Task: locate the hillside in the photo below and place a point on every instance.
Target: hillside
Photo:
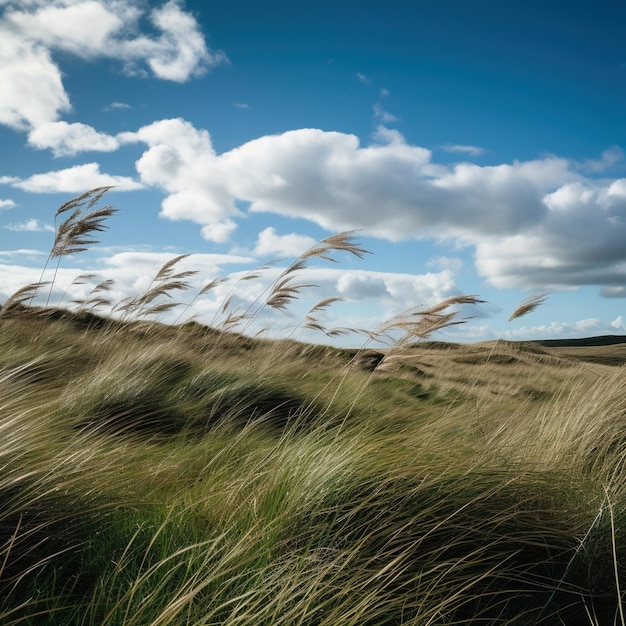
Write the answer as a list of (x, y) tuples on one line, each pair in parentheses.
[(184, 475)]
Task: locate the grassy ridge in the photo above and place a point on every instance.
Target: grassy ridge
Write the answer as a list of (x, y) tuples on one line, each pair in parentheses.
[(188, 475), (158, 475)]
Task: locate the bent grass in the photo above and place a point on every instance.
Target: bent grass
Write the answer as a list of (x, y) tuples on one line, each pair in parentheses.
[(189, 475)]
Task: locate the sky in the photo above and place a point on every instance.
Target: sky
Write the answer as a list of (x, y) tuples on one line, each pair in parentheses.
[(476, 147)]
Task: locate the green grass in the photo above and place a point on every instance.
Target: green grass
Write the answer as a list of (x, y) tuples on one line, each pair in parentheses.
[(185, 475)]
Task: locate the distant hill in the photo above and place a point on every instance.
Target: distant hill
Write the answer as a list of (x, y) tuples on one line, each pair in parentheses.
[(603, 340)]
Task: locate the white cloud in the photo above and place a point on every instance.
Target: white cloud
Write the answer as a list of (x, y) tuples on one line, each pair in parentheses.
[(385, 135), (149, 262), (114, 106), (31, 225), (563, 330), (180, 160), (271, 244), (241, 105), (6, 204), (32, 89), (68, 139), (384, 116), (536, 224), (364, 79), (75, 179), (610, 157), (471, 150), (380, 114), (618, 323), (22, 252), (219, 232), (359, 285)]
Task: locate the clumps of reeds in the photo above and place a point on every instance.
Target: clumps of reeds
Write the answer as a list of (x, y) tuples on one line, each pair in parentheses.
[(163, 284), (74, 234), (285, 288), (77, 232), (416, 324), (22, 297)]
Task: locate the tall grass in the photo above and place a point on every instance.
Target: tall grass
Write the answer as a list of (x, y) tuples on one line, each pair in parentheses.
[(192, 475)]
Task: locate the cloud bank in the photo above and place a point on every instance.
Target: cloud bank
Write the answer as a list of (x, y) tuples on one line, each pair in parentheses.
[(539, 224), (33, 96)]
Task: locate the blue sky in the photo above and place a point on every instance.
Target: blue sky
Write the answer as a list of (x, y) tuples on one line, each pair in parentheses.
[(477, 146)]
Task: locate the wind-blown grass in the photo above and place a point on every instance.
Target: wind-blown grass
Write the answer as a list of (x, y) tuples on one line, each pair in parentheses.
[(186, 475)]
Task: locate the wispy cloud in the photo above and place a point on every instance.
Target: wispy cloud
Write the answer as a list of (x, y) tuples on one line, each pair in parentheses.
[(380, 114), (22, 252), (31, 225), (608, 160), (241, 105), (6, 204), (446, 263), (364, 79), (114, 106), (460, 148)]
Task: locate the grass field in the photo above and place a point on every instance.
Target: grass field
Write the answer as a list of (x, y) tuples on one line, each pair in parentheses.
[(154, 474)]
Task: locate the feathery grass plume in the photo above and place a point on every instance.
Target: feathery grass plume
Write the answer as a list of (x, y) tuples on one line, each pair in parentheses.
[(342, 241), (96, 297), (81, 279), (528, 305), (23, 294), (284, 292), (421, 323), (284, 289), (164, 282), (312, 322), (75, 233), (212, 284)]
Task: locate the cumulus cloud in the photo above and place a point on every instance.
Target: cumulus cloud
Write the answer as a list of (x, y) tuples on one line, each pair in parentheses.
[(361, 285), (269, 243), (538, 224), (32, 89), (68, 139), (180, 160), (75, 179), (6, 204)]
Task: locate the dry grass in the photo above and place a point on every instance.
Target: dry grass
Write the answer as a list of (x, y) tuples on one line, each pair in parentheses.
[(193, 475)]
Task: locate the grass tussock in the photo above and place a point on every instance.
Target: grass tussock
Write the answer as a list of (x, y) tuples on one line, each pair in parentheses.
[(190, 475)]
